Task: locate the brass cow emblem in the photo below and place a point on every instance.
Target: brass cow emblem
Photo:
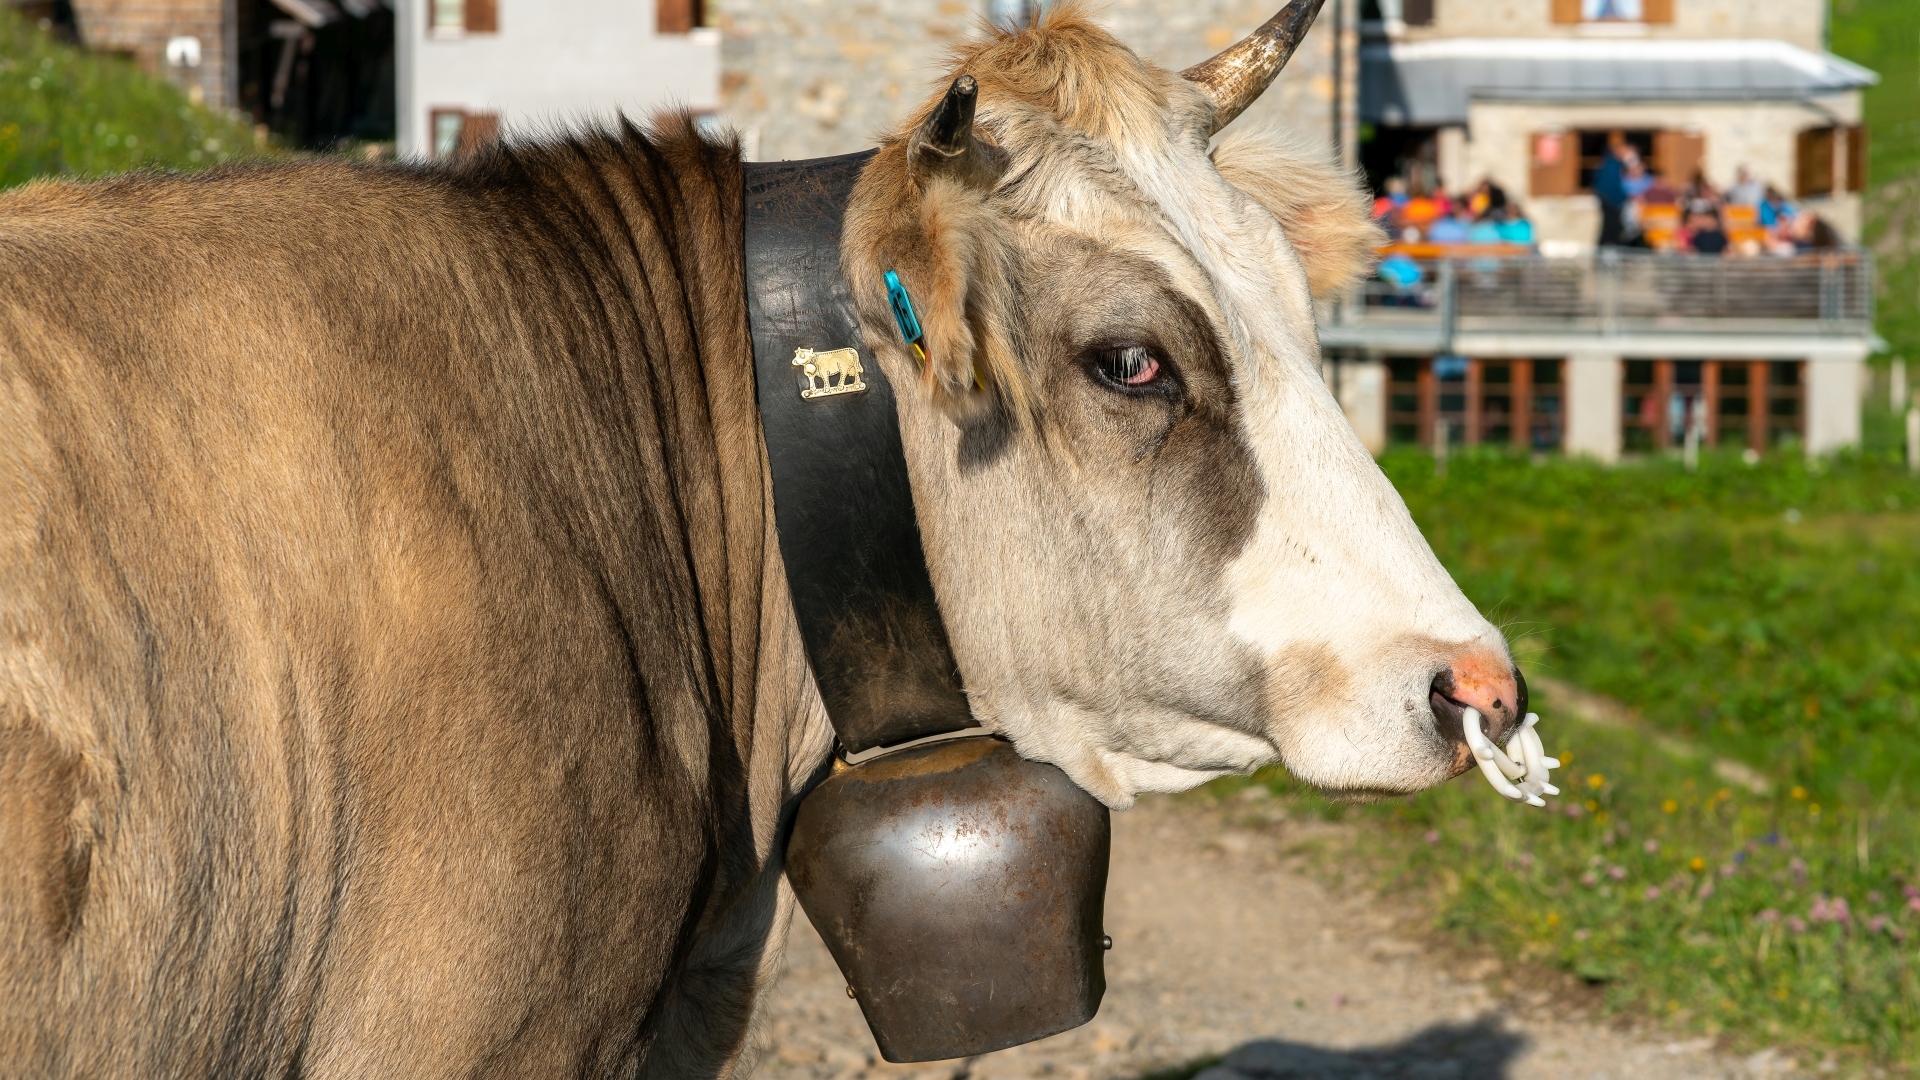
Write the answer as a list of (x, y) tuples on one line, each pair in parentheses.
[(822, 367)]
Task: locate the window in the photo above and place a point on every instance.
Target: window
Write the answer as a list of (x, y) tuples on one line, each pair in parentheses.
[(1493, 401), (457, 132), (1813, 162), (1612, 11), (1856, 158), (1406, 12), (454, 17), (1753, 404), (678, 16)]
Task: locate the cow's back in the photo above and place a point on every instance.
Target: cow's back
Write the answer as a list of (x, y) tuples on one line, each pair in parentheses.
[(355, 697)]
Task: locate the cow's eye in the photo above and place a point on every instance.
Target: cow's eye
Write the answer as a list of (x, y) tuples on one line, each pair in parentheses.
[(1128, 365)]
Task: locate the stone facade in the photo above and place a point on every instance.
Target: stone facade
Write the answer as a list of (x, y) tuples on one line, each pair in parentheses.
[(1797, 22), (808, 78), (142, 29)]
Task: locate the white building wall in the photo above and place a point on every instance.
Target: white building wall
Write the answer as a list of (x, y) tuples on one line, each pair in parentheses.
[(1593, 405), (1832, 403), (552, 63)]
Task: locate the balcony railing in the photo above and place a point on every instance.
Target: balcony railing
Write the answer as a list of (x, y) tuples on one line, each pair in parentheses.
[(1611, 293)]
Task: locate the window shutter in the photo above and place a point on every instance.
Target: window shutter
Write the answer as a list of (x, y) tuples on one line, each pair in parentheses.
[(1813, 162), (1566, 11), (1416, 12), (1556, 163), (1656, 11), (1857, 158), (677, 16), (483, 16), (481, 129), (1677, 155)]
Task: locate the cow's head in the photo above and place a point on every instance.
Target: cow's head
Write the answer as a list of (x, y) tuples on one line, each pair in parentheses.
[(1161, 551)]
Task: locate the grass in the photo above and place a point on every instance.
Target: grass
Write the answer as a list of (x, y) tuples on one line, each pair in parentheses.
[(68, 112), (1767, 614)]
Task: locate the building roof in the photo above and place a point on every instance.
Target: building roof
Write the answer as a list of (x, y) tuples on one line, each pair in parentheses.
[(1431, 82)]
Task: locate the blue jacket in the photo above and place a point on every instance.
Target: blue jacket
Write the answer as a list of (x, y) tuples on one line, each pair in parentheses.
[(1610, 183)]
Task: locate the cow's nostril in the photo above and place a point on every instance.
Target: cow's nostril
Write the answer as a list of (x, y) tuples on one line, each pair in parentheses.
[(1448, 714)]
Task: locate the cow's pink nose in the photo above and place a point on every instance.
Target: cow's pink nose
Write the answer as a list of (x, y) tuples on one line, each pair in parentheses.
[(1487, 683)]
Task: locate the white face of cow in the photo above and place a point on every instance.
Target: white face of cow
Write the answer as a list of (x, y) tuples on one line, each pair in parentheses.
[(1162, 553)]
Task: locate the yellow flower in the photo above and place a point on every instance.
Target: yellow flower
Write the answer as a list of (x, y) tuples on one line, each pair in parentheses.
[(1798, 792), (1669, 806), (1596, 780), (1566, 758), (1814, 809), (1601, 817), (1723, 794), (1593, 805), (1698, 864)]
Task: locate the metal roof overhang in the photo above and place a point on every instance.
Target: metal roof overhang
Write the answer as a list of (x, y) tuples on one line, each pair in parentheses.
[(1431, 83)]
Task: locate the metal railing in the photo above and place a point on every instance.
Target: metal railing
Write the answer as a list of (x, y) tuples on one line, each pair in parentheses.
[(1609, 293)]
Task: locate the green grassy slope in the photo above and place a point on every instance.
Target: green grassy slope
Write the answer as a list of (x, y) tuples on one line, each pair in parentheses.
[(1769, 615), (65, 111), (1885, 36)]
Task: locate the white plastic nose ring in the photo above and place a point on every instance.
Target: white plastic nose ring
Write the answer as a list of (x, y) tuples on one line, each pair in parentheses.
[(1500, 768)]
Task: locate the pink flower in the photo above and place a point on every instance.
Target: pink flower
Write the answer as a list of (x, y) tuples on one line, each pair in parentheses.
[(1897, 934), (1770, 915), (1589, 879), (1799, 869), (1729, 870), (1913, 904), (1526, 862), (1651, 847), (1617, 873), (1911, 892), (1796, 924), (1652, 893), (1705, 890), (1433, 836), (1876, 924), (1573, 810)]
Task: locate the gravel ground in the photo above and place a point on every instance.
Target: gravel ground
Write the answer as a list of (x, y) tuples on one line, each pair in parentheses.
[(1224, 947)]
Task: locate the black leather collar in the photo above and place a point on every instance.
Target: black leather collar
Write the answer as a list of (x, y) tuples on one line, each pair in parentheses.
[(842, 502)]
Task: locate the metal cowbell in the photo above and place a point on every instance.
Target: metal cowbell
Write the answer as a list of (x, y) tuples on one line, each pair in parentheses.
[(960, 888)]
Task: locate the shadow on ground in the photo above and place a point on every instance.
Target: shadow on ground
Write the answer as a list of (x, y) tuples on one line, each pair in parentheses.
[(1476, 1051)]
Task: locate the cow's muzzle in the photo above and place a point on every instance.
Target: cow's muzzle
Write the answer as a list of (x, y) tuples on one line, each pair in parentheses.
[(1500, 699)]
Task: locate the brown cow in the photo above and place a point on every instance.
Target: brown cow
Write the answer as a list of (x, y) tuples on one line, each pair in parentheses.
[(397, 672)]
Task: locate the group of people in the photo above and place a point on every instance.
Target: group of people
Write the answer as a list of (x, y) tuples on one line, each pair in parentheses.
[(1484, 216), (1641, 208)]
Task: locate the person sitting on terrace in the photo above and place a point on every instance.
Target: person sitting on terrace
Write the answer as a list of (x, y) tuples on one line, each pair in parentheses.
[(1703, 234), (1514, 228), (1449, 229), (1387, 207), (1746, 191), (1488, 198), (1700, 196)]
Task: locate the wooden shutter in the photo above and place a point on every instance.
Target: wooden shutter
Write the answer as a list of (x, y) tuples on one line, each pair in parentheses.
[(1656, 11), (1416, 12), (677, 16), (481, 129), (1813, 162), (1677, 155), (483, 16), (1566, 11), (1556, 162), (1857, 158)]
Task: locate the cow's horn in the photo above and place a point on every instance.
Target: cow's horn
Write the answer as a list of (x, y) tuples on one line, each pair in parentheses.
[(1238, 75), (945, 143)]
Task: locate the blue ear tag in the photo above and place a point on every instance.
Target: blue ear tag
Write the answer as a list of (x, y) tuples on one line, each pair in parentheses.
[(903, 314)]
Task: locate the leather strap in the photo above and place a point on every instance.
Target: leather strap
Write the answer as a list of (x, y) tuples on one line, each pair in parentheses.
[(842, 503)]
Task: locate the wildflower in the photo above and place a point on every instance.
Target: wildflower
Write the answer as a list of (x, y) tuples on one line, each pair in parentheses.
[(1799, 869), (1697, 864), (1705, 890), (1617, 873), (1876, 899), (1876, 924), (1581, 934), (1573, 810), (1898, 935), (1566, 758), (1589, 879), (1740, 856), (1606, 838), (1651, 847), (1913, 904), (1911, 892), (1553, 918), (1728, 870), (1772, 839), (1669, 806), (1596, 780), (1771, 915), (1825, 910), (1813, 810), (1433, 836), (1796, 924), (1526, 862), (1723, 795), (1798, 792), (1652, 893)]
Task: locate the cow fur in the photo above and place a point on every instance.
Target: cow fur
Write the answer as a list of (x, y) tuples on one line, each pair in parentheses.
[(396, 671)]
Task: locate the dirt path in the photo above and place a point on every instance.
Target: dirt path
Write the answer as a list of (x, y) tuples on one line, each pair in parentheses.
[(1222, 948)]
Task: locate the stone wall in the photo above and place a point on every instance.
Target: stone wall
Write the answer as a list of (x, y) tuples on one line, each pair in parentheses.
[(808, 78), (142, 28), (1798, 22)]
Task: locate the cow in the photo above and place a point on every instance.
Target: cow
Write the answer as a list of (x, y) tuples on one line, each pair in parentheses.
[(397, 670)]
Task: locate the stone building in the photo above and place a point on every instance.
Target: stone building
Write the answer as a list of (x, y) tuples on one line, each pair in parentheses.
[(809, 78), (202, 35)]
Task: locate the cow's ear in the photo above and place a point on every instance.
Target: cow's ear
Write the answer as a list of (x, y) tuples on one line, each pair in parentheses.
[(921, 211), (1321, 205)]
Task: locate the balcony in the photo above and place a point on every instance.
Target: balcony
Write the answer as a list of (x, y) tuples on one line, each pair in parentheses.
[(1617, 300)]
